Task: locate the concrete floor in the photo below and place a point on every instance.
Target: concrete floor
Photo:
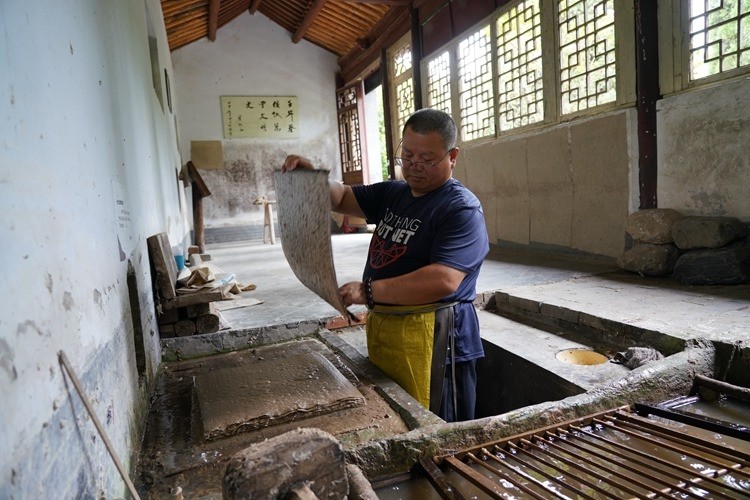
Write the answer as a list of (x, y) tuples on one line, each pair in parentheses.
[(593, 286)]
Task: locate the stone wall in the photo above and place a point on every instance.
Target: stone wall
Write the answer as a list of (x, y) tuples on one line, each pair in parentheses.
[(695, 250)]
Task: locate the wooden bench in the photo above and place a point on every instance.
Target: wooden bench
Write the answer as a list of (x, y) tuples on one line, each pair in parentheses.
[(178, 314)]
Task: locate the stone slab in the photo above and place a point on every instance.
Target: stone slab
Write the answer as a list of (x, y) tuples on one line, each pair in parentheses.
[(266, 393)]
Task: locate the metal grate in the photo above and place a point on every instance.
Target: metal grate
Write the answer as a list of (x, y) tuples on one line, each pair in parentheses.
[(613, 454)]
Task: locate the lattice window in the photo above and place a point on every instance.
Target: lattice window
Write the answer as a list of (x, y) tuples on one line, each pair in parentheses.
[(402, 61), (404, 102), (719, 36), (587, 53), (404, 86), (475, 93), (519, 66), (439, 83), (349, 137)]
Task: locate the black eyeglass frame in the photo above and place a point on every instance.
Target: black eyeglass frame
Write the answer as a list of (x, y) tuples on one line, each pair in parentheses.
[(401, 162)]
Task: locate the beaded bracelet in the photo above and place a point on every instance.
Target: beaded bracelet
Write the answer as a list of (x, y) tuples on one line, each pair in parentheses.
[(368, 294)]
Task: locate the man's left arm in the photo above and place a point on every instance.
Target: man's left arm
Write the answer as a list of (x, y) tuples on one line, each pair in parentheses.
[(425, 285), (462, 244)]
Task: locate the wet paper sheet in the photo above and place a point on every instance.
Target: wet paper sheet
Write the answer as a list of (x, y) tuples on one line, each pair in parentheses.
[(272, 392), (304, 213)]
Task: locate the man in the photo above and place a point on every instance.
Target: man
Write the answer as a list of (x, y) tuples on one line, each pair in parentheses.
[(419, 282)]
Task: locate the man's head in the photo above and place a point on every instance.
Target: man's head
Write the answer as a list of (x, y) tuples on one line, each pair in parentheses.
[(434, 120), (428, 150)]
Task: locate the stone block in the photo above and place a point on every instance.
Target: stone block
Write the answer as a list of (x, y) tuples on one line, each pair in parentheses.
[(561, 313), (652, 225), (525, 304), (649, 259), (279, 466), (694, 232), (728, 265)]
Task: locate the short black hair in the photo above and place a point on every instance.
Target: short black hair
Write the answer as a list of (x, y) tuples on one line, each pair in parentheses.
[(429, 120)]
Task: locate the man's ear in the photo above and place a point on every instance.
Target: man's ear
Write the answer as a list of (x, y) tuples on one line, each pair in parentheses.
[(453, 156)]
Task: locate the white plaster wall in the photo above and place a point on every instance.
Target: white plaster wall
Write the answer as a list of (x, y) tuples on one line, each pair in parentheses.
[(566, 187), (704, 151), (88, 165), (254, 56)]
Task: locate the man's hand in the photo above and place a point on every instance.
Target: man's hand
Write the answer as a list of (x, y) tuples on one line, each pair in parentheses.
[(294, 161), (352, 293)]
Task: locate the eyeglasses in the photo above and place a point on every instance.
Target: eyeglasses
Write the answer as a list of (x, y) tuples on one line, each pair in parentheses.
[(405, 162)]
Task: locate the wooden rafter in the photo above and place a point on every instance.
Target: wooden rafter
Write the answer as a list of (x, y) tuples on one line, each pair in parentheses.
[(381, 2), (213, 19), (342, 27), (254, 6), (315, 9)]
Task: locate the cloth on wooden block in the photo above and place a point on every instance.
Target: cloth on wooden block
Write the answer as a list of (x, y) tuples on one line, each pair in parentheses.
[(634, 357)]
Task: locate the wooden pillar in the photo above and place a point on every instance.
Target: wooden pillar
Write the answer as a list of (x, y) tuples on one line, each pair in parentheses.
[(647, 93), (198, 228), (200, 191), (384, 83), (416, 53)]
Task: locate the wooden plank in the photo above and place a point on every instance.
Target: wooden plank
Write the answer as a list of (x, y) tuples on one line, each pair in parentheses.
[(198, 179), (166, 268), (197, 310), (201, 297)]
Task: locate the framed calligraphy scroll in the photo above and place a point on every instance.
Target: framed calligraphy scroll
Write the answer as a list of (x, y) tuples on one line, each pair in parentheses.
[(274, 117)]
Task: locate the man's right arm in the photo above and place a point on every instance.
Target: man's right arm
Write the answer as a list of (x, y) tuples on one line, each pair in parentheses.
[(342, 197)]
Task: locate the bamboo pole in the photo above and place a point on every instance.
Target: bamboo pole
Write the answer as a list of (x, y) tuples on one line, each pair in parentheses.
[(120, 468)]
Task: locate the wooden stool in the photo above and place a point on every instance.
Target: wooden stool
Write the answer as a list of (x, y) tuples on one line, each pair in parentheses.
[(269, 233)]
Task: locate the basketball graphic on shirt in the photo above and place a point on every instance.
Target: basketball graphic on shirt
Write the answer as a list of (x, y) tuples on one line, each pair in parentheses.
[(380, 256)]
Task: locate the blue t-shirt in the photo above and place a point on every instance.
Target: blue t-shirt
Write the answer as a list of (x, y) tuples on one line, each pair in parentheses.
[(445, 226)]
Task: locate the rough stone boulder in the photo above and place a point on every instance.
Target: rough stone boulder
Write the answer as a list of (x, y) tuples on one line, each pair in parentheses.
[(649, 259), (694, 232), (728, 265), (653, 225)]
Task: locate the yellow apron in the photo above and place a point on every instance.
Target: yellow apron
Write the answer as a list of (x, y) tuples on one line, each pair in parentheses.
[(404, 342)]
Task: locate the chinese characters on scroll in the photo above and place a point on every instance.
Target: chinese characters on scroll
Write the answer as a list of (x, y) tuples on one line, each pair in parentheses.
[(260, 116)]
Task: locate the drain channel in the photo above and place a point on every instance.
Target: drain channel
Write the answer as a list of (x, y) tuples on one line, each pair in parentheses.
[(613, 454)]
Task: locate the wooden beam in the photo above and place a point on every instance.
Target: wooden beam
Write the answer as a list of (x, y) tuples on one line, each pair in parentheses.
[(179, 8), (254, 5), (381, 2), (392, 27), (315, 9), (213, 18)]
